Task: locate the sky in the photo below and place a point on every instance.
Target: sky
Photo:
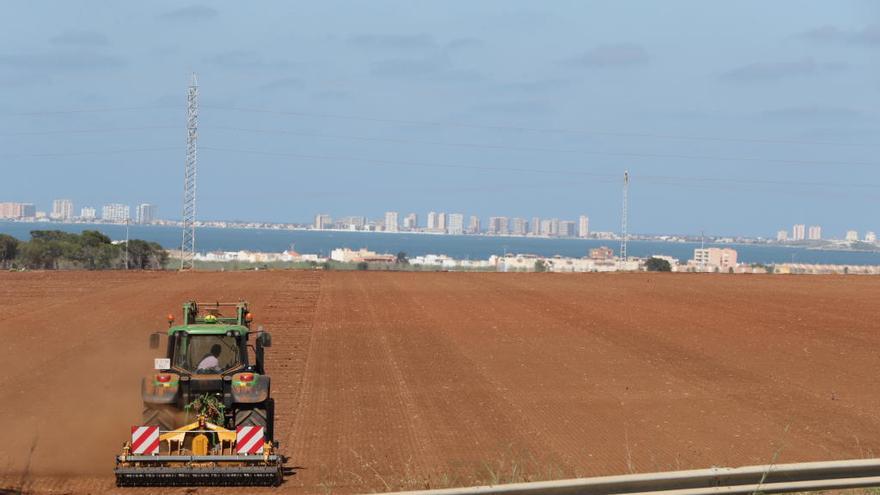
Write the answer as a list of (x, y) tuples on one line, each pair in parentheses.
[(732, 118)]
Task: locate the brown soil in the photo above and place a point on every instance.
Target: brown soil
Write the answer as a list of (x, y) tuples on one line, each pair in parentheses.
[(408, 380)]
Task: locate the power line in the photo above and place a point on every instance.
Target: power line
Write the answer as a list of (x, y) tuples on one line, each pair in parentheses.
[(551, 150), (654, 179), (535, 129), (90, 152), (407, 162), (90, 131), (40, 113)]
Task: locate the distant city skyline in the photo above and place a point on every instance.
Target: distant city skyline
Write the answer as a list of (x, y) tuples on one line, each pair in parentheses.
[(735, 118), (448, 222)]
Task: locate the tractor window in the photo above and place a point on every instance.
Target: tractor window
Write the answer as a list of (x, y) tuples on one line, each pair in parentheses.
[(206, 354)]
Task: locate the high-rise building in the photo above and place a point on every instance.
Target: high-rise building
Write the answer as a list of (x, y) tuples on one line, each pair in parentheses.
[(852, 235), (441, 221), (456, 224), (554, 226), (535, 226), (432, 220), (411, 222), (350, 223), (798, 232), (323, 221), (814, 233), (28, 210), (870, 236), (116, 212), (146, 213), (518, 226), (62, 209), (498, 226), (566, 228), (17, 210), (474, 225), (546, 226), (88, 213), (781, 235), (391, 221), (584, 226)]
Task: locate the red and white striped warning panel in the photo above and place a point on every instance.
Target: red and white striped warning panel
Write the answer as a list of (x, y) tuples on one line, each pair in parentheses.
[(249, 439), (145, 440)]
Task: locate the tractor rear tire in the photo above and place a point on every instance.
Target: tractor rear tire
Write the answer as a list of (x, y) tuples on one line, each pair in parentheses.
[(257, 415), (159, 415)]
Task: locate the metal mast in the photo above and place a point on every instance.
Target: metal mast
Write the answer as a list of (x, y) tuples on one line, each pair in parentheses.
[(188, 246), (623, 215)]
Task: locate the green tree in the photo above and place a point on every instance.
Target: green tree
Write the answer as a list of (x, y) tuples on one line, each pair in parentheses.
[(8, 249), (657, 265), (143, 255), (540, 266), (363, 266), (401, 259)]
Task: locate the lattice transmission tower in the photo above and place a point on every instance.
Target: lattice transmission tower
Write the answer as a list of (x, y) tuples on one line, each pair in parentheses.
[(188, 246), (623, 216)]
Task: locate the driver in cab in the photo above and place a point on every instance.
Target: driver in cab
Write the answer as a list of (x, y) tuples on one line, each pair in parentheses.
[(211, 361)]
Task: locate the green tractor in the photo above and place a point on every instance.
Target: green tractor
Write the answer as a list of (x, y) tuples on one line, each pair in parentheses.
[(208, 370)]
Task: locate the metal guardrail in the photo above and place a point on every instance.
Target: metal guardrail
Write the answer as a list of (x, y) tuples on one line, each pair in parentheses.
[(773, 478)]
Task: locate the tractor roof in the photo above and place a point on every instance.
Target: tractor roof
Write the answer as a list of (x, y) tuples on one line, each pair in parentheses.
[(208, 329)]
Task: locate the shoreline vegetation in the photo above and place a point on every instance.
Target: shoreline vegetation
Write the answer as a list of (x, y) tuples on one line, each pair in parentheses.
[(89, 250)]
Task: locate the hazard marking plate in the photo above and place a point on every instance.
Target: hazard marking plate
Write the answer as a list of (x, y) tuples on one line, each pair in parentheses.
[(162, 364), (249, 440), (145, 440)]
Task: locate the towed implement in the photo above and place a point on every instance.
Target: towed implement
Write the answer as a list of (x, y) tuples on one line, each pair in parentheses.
[(208, 416)]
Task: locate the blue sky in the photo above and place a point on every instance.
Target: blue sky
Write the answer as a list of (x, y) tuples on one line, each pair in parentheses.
[(733, 118)]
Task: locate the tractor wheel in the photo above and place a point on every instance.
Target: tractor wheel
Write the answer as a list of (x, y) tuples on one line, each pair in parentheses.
[(159, 415), (257, 415)]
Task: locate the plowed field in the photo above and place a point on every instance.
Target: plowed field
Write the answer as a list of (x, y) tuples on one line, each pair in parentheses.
[(407, 380)]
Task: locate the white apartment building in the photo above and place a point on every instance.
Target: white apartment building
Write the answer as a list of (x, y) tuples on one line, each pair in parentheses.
[(62, 209), (88, 213), (535, 226), (146, 213), (870, 236), (584, 226), (710, 259), (546, 226), (323, 221), (782, 235), (518, 226), (852, 235), (814, 233), (474, 225), (456, 224), (441, 221), (116, 212), (798, 232), (566, 228), (498, 226), (391, 221), (432, 220), (411, 222)]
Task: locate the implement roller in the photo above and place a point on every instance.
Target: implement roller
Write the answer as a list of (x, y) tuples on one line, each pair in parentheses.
[(198, 454)]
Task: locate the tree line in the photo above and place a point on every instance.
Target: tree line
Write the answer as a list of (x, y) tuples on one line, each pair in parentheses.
[(90, 250)]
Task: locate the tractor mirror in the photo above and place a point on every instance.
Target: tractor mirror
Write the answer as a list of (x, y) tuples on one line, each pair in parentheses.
[(266, 339), (154, 341)]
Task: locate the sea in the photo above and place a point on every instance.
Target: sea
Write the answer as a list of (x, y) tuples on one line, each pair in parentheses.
[(460, 247)]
